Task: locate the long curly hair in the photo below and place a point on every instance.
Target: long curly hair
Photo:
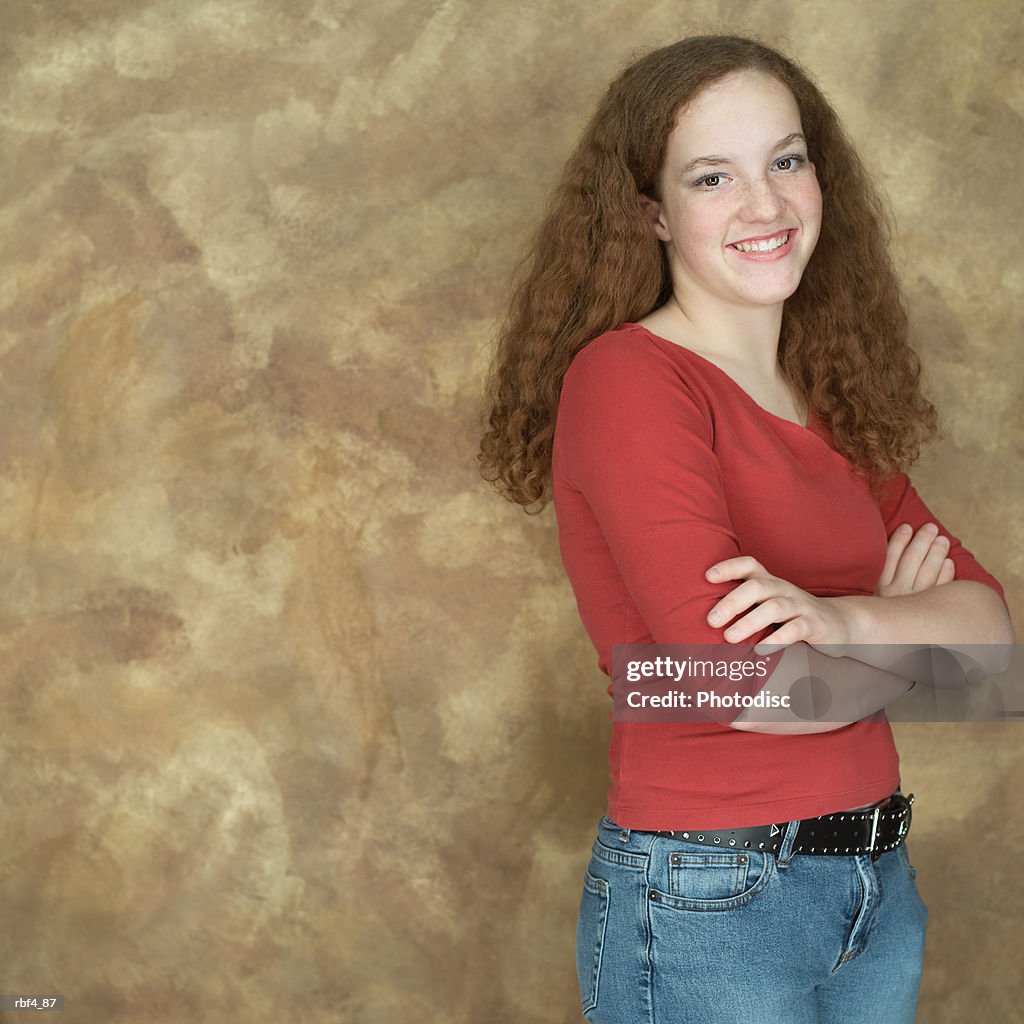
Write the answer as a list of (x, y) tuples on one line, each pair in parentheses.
[(595, 264)]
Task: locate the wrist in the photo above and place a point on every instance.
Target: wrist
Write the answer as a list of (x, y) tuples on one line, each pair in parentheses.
[(858, 614)]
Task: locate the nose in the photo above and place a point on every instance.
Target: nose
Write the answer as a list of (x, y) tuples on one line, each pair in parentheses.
[(762, 201)]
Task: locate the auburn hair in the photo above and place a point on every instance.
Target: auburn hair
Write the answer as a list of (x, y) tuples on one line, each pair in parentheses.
[(595, 264)]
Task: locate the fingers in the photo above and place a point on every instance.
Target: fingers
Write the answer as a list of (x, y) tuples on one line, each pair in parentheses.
[(913, 558), (897, 545), (932, 563), (757, 586), (948, 573), (736, 568), (754, 592), (761, 617), (914, 563)]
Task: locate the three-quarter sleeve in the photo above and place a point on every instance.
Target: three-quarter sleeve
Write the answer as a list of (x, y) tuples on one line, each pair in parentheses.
[(636, 442)]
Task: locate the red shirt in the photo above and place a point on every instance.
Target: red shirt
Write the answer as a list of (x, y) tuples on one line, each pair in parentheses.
[(663, 465)]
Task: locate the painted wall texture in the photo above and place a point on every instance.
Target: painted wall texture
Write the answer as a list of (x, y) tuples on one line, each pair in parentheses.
[(297, 717)]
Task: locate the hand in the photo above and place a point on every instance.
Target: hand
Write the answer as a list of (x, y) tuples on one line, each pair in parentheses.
[(915, 565), (815, 620)]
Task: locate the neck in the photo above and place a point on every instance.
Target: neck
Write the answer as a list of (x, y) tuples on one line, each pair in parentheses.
[(743, 335)]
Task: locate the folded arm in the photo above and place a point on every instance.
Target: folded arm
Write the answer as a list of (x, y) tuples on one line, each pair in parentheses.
[(915, 597), (964, 617), (970, 617)]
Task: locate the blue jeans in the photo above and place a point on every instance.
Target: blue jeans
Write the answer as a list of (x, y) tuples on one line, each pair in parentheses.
[(671, 932)]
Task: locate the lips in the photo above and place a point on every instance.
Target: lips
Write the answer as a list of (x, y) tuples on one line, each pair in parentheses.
[(765, 247)]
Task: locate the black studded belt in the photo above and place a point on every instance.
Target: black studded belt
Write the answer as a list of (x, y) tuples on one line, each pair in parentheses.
[(873, 831)]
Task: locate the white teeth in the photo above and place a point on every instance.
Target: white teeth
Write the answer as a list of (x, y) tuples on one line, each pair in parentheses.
[(765, 245)]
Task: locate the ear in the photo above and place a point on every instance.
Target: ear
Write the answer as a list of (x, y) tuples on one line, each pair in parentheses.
[(655, 217)]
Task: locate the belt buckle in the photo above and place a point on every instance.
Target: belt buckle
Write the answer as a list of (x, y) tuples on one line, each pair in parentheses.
[(905, 815), (901, 804)]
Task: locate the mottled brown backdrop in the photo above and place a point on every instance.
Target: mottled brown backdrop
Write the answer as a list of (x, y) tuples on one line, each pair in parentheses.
[(298, 719)]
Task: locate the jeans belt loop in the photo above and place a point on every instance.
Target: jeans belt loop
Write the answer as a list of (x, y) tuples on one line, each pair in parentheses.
[(874, 832)]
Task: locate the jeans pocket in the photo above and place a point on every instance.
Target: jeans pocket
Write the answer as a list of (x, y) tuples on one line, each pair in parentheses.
[(715, 879), (707, 876), (590, 932)]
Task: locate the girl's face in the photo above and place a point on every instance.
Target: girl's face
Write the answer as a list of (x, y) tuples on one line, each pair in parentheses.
[(741, 208)]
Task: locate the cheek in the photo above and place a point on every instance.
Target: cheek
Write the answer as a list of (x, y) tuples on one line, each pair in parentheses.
[(703, 224), (808, 199)]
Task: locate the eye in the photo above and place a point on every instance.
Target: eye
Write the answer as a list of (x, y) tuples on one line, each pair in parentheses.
[(794, 161), (710, 180)]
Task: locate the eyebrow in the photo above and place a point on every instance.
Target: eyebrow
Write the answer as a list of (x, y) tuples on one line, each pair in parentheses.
[(712, 161)]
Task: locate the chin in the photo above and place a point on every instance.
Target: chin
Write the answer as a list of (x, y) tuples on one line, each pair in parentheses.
[(773, 297)]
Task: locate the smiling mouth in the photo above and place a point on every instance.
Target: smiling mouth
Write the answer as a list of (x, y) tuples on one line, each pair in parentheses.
[(764, 244)]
